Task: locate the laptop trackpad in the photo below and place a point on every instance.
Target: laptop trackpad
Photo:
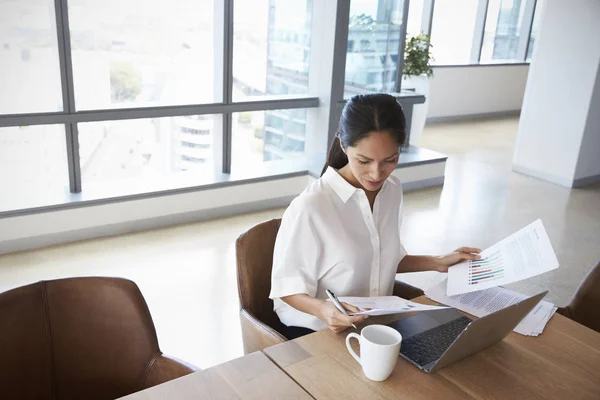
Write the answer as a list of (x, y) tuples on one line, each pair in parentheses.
[(424, 321)]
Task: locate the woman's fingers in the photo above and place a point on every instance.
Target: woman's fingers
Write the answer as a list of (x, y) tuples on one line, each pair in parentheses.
[(350, 307), (469, 256), (468, 250), (358, 318)]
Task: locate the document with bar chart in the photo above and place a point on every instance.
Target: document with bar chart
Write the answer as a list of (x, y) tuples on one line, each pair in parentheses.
[(522, 255)]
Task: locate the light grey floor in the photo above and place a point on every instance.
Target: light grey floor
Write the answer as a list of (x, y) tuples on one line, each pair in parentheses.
[(187, 272), (483, 201)]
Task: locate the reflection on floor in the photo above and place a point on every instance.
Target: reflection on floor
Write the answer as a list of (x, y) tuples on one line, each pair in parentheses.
[(187, 273)]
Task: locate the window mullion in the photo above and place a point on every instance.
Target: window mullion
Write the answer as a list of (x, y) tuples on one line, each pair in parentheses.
[(402, 45), (479, 31), (427, 17), (61, 10), (223, 37), (525, 31)]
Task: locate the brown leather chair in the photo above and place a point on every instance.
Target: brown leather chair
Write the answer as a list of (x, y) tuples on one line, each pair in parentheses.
[(585, 304), (261, 327), (80, 338)]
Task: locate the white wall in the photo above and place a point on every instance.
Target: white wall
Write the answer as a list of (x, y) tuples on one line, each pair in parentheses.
[(472, 90), (588, 165), (558, 96), (53, 227)]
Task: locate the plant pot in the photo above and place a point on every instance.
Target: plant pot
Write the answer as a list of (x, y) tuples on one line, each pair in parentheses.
[(420, 84)]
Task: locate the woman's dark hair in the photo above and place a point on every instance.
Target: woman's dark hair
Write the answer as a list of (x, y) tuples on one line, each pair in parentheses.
[(363, 114)]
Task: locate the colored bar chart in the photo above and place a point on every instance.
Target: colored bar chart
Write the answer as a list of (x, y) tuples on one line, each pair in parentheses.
[(522, 255), (488, 269)]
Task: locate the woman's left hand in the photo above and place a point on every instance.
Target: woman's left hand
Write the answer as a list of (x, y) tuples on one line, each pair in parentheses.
[(458, 255)]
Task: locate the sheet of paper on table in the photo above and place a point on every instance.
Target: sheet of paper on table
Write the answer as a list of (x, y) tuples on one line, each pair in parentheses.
[(487, 301), (522, 255), (384, 305)]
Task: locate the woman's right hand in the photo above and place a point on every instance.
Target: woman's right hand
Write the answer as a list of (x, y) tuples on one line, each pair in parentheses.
[(337, 321)]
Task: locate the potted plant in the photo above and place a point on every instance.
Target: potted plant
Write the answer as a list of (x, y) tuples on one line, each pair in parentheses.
[(416, 74)]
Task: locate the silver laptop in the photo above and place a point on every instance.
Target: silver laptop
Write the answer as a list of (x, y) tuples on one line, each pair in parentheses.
[(433, 339)]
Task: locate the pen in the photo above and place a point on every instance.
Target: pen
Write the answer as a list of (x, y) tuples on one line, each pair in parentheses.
[(337, 304)]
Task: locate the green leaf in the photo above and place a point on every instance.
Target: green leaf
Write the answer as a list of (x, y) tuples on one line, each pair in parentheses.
[(417, 57)]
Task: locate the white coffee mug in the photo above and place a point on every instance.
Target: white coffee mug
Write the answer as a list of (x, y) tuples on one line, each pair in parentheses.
[(379, 350)]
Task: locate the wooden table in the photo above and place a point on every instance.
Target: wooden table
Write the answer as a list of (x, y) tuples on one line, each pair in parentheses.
[(253, 376), (562, 363)]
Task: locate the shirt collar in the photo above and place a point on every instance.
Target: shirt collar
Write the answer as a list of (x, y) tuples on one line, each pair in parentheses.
[(340, 186)]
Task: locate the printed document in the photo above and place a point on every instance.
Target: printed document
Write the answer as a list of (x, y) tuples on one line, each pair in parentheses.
[(522, 255), (484, 302), (384, 305)]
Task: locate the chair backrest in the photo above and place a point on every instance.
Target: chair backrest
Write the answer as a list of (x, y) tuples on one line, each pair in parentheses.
[(254, 252), (585, 304), (77, 338)]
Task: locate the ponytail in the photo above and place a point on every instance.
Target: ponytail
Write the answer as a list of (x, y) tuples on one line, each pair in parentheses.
[(336, 158)]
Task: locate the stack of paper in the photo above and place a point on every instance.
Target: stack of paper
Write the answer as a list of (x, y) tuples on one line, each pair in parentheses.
[(535, 322), (384, 305), (484, 302)]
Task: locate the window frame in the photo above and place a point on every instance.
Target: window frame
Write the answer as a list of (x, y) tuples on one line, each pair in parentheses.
[(70, 116), (479, 31), (329, 46)]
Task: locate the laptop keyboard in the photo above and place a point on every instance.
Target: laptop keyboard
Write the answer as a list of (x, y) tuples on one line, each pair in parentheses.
[(430, 345)]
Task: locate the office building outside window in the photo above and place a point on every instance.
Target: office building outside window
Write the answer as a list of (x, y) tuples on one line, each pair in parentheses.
[(271, 56), (132, 151), (373, 46), (266, 136)]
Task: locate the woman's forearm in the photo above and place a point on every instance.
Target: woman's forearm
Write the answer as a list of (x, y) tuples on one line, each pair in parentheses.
[(305, 303), (420, 263)]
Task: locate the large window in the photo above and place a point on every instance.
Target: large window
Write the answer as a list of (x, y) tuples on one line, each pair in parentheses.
[(373, 50), (29, 66), (452, 31), (502, 30), (107, 98), (142, 53), (271, 48), (154, 94)]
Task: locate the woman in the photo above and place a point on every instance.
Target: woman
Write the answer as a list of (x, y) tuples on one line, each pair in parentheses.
[(343, 232)]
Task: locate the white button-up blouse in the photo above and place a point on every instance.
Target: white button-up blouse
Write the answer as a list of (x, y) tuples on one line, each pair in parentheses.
[(330, 239)]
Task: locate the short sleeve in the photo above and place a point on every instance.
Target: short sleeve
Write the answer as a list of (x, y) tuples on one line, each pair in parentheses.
[(295, 256)]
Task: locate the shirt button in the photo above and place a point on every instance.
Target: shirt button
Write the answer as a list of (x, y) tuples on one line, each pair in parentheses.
[(374, 291)]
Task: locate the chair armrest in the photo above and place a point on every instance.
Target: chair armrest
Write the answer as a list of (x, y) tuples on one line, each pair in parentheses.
[(584, 305), (163, 368), (256, 334), (406, 291)]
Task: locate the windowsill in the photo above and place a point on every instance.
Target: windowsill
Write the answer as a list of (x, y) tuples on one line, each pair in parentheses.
[(405, 95), (487, 64), (136, 189)]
